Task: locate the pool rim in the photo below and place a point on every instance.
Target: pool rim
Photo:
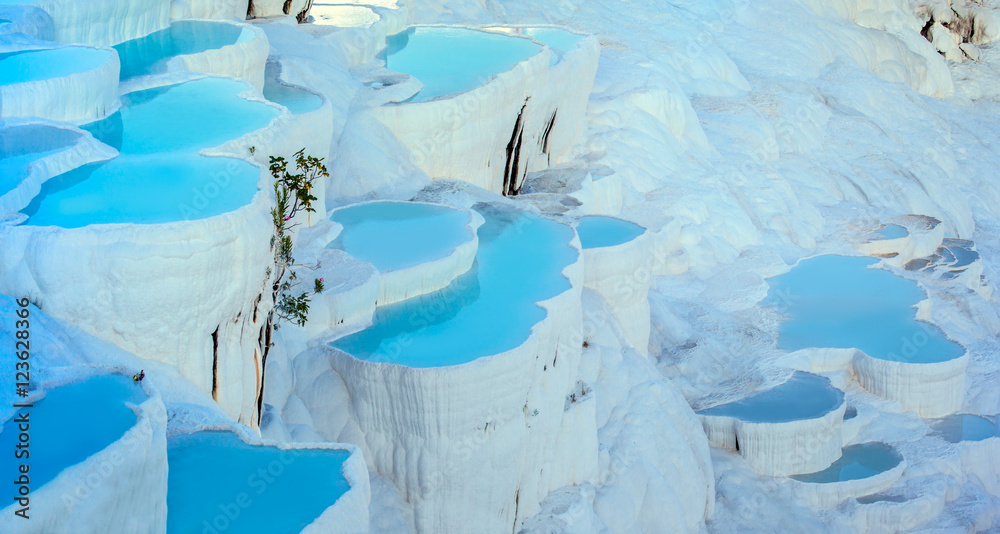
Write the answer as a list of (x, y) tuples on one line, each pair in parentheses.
[(354, 468), (469, 225), (879, 264), (172, 72), (495, 78), (36, 45), (262, 196), (572, 271), (645, 231)]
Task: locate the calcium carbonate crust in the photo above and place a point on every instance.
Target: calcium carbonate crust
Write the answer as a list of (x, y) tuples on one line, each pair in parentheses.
[(466, 136), (105, 22), (930, 389), (75, 98), (831, 494), (438, 432), (620, 275), (244, 59), (362, 45), (114, 281), (780, 449), (573, 75), (208, 9)]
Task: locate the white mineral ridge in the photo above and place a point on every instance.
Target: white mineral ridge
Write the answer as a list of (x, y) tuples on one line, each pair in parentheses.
[(622, 275), (574, 75), (930, 389), (83, 150), (122, 488), (655, 469), (780, 449), (244, 59), (357, 32), (397, 285), (350, 293), (831, 494), (76, 98), (209, 9), (439, 432), (901, 54), (116, 281), (105, 22), (922, 240), (465, 136)]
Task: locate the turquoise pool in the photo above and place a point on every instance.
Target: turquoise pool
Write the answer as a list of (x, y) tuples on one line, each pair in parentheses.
[(881, 497), (35, 65), (168, 191), (218, 481), (70, 424), (558, 40), (450, 60), (803, 396), (486, 311), (892, 231), (397, 235), (159, 176), (186, 117), (598, 231), (841, 302), (960, 253), (149, 54), (857, 462), (965, 427)]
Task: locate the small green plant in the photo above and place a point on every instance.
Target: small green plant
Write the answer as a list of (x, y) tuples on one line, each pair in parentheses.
[(292, 195)]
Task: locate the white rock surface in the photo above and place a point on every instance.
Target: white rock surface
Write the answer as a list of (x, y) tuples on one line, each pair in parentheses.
[(357, 32), (574, 74), (439, 432), (244, 60), (620, 274), (77, 98), (924, 236), (831, 494), (930, 389), (104, 22), (780, 449), (351, 289), (116, 282), (465, 136), (209, 9)]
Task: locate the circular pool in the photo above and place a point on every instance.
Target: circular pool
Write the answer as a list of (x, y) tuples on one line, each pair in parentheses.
[(449, 60)]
